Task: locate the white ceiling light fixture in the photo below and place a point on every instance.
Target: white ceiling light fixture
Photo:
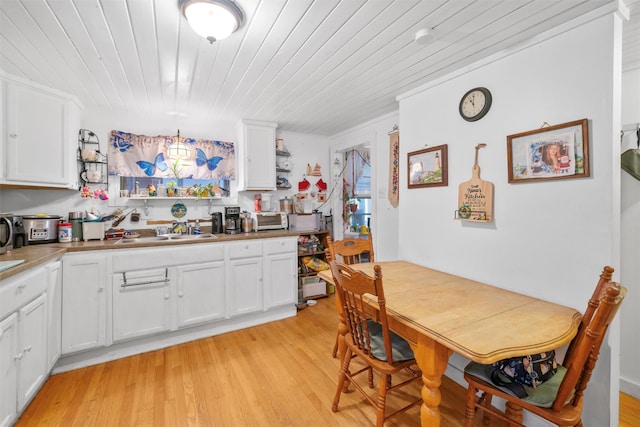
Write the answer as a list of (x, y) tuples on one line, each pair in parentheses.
[(212, 19), (424, 36)]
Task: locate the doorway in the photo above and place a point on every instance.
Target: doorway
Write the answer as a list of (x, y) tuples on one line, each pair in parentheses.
[(356, 190)]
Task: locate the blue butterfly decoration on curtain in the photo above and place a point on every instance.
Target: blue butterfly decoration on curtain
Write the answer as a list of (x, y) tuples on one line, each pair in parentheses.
[(201, 159), (121, 144), (150, 168)]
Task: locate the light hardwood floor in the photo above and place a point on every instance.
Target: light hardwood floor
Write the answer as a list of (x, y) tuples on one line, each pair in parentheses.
[(278, 374)]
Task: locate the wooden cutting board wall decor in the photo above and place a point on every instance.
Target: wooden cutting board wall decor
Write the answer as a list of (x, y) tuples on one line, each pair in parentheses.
[(475, 197)]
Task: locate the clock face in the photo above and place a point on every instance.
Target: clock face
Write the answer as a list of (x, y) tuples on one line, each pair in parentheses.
[(475, 104)]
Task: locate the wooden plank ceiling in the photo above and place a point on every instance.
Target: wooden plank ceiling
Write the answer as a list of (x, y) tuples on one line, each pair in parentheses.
[(317, 67)]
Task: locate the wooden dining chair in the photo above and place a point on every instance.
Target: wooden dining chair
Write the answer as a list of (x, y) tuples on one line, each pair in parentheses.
[(558, 400), (368, 337), (349, 251)]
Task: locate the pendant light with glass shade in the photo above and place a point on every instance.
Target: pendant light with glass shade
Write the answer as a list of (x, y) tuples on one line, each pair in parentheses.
[(212, 19)]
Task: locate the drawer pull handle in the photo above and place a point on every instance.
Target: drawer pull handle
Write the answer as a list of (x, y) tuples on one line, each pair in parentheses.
[(27, 349), (18, 356), (126, 284)]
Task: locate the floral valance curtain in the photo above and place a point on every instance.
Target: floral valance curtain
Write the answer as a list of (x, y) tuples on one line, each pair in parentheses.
[(170, 157)]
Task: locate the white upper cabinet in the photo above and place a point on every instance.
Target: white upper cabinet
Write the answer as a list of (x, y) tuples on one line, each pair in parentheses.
[(257, 155), (39, 136)]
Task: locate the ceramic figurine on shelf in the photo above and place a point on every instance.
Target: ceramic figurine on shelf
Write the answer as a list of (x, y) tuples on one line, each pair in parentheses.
[(86, 193), (152, 190), (309, 169), (101, 194)]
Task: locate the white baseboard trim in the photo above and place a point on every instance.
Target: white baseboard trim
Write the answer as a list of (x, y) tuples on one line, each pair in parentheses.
[(168, 339), (630, 387)]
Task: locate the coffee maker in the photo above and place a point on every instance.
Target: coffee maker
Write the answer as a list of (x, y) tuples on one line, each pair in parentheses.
[(217, 225), (232, 221)]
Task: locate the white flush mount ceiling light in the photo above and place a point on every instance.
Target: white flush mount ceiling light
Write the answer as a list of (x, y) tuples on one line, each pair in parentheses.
[(424, 36), (212, 19)]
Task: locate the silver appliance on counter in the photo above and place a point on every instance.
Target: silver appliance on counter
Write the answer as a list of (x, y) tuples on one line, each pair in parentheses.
[(41, 228), (6, 233), (232, 220)]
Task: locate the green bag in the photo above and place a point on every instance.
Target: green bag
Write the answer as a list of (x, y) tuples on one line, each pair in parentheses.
[(630, 161)]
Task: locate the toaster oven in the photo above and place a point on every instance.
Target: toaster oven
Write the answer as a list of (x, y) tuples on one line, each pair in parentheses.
[(269, 221)]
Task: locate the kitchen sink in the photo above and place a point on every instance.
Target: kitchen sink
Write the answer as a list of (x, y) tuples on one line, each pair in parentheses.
[(165, 238)]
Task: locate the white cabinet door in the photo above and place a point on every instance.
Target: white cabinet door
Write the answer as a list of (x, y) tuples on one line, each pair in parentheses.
[(40, 144), (142, 305), (83, 302), (281, 280), (244, 292), (257, 156), (54, 313), (9, 355), (32, 322), (201, 293)]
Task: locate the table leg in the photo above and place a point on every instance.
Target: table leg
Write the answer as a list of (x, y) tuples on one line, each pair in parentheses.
[(432, 358)]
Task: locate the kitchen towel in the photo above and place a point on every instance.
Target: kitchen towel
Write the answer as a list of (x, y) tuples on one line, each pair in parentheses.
[(394, 167)]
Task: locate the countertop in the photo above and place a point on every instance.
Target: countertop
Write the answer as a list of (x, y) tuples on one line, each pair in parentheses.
[(34, 255)]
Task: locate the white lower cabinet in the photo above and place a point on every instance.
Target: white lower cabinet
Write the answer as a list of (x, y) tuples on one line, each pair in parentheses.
[(281, 272), (245, 284), (201, 293), (141, 303), (8, 369), (32, 356), (54, 313), (23, 340), (84, 302), (22, 357), (138, 298)]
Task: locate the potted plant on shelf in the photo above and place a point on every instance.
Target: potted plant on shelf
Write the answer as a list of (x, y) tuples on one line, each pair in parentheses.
[(171, 188)]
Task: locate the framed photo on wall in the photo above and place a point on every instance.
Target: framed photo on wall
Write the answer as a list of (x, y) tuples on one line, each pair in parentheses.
[(428, 167), (552, 152)]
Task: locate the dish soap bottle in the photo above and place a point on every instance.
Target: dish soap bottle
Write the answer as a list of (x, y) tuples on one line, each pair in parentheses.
[(196, 227)]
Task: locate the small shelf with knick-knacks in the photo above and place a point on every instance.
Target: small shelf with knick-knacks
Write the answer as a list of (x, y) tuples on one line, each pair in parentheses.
[(92, 164), (283, 166)]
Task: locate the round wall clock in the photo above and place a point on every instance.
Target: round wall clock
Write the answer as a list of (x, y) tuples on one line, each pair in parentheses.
[(475, 104)]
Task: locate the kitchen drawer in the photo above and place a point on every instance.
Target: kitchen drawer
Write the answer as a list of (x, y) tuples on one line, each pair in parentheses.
[(145, 258), (19, 290), (245, 249), (280, 246)]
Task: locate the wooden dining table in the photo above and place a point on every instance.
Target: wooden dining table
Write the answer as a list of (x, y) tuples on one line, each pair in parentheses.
[(440, 313)]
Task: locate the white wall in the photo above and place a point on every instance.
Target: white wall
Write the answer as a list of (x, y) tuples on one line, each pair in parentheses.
[(304, 148), (548, 239), (630, 271), (384, 218)]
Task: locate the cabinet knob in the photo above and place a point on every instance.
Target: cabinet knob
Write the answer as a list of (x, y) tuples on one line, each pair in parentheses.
[(21, 286), (27, 349), (100, 290), (180, 294), (18, 356), (13, 135), (166, 296)]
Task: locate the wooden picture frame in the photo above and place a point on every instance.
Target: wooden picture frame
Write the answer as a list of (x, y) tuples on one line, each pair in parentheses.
[(549, 153), (427, 167)]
